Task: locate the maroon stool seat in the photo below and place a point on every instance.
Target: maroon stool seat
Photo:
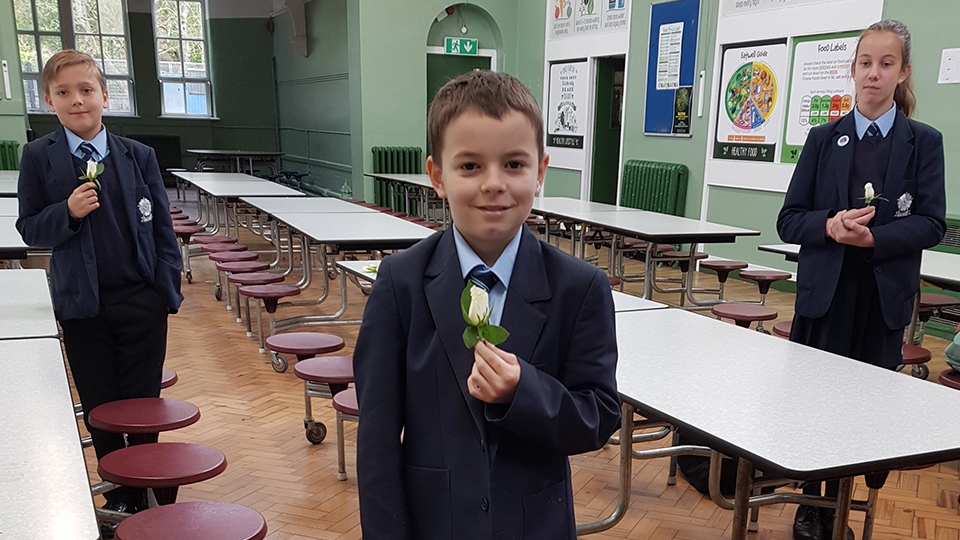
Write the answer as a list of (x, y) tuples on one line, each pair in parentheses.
[(270, 296), (143, 416), (950, 378), (184, 232), (168, 378), (917, 357), (163, 467), (243, 267), (744, 314), (764, 279), (179, 217), (783, 328), (323, 376), (187, 221), (221, 247), (234, 256), (175, 211), (615, 282), (195, 520), (723, 269), (214, 239), (250, 278), (345, 403), (302, 344), (396, 214), (930, 305)]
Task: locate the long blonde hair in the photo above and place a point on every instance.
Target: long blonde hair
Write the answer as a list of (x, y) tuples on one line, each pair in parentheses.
[(903, 96)]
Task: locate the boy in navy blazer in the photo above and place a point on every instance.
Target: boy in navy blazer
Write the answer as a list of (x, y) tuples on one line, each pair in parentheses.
[(115, 268), (473, 443)]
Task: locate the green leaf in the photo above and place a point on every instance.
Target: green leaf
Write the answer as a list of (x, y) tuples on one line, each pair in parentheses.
[(97, 182), (99, 169), (470, 336), (465, 303), (83, 179), (495, 335)]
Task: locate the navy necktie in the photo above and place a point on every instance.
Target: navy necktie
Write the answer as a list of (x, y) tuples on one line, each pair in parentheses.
[(483, 277), (87, 151), (873, 130)]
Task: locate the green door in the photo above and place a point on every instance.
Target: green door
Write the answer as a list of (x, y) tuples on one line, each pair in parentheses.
[(606, 130), (444, 67)]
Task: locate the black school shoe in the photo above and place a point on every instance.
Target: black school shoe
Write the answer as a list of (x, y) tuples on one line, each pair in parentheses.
[(807, 525), (107, 529), (826, 519)]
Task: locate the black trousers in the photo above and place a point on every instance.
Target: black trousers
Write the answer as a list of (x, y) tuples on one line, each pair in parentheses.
[(118, 355)]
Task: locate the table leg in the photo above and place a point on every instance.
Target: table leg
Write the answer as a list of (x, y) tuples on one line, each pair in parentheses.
[(649, 271), (741, 504), (912, 328), (626, 475), (844, 498)]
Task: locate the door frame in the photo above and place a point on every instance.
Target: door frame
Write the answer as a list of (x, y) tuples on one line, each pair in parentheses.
[(489, 53)]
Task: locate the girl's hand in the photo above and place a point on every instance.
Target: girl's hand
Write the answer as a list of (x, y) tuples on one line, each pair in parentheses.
[(859, 215)]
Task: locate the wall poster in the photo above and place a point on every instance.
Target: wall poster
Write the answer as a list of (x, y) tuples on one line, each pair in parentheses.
[(567, 109)]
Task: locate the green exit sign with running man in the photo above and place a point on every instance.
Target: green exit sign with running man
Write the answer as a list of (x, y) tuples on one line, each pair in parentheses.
[(463, 46)]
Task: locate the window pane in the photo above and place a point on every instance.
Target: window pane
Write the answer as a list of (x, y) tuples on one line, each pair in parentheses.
[(32, 95), (48, 15), (168, 21), (91, 46), (173, 99), (111, 17), (168, 51), (197, 98), (119, 97), (28, 54), (24, 14), (196, 64), (115, 56), (191, 20), (49, 46), (85, 17)]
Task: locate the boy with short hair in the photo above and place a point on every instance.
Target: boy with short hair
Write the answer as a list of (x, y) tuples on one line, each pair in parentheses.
[(467, 443), (115, 267)]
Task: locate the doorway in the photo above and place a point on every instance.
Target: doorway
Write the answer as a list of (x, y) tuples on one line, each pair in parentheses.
[(444, 67), (606, 130)]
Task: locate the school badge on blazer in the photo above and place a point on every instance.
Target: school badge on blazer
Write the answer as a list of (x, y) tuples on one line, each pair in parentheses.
[(903, 205), (146, 210)]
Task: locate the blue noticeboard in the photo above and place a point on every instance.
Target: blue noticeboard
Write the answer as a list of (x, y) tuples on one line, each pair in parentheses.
[(668, 111)]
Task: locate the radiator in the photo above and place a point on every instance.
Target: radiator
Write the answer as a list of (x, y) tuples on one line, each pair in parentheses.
[(397, 160), (9, 155), (654, 186)]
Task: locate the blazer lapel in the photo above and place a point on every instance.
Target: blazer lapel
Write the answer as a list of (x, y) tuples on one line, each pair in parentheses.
[(901, 149), (61, 163), (443, 286), (846, 127), (125, 175), (523, 314)]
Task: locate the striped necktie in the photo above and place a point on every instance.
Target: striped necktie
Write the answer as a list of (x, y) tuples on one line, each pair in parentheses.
[(87, 151), (483, 277), (873, 130)]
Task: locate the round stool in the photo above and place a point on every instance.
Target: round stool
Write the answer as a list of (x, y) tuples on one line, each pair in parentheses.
[(179, 217), (930, 305), (951, 379), (168, 378), (187, 221), (214, 239), (917, 357), (196, 520), (250, 278), (764, 279), (143, 418), (783, 329), (220, 247), (302, 344), (324, 376), (744, 314), (227, 256), (270, 295), (175, 211), (345, 403), (723, 269), (162, 467), (184, 232)]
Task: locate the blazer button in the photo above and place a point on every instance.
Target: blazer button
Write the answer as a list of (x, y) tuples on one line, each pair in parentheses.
[(484, 505)]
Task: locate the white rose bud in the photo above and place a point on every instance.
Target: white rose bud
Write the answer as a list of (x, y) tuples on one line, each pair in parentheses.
[(479, 306), (91, 169), (868, 193)]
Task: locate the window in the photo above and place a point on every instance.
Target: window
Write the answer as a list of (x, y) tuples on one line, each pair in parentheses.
[(96, 27), (182, 57)]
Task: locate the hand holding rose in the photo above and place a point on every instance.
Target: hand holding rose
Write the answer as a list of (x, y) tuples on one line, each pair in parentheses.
[(83, 200), (495, 374)]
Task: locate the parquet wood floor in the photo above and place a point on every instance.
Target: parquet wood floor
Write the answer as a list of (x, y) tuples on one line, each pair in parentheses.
[(253, 415)]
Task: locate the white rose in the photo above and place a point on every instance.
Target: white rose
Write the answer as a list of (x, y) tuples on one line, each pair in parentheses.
[(868, 193), (91, 169), (479, 306)]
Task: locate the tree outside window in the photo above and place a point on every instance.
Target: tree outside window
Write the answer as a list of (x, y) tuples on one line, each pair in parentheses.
[(182, 58)]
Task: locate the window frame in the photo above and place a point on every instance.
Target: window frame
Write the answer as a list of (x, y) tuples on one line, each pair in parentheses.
[(68, 40), (183, 79)]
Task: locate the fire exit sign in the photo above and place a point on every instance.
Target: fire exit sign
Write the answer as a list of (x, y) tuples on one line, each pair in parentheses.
[(464, 46)]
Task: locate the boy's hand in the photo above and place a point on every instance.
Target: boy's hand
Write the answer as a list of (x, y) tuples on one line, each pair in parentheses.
[(83, 200), (861, 216), (495, 374)]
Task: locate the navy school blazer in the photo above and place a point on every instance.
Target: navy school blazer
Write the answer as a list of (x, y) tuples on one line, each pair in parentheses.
[(819, 189), (47, 178), (466, 469)]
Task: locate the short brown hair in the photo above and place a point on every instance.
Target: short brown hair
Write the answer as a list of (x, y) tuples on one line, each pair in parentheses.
[(69, 57), (490, 93)]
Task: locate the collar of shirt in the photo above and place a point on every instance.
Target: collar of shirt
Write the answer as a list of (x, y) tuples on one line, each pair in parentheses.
[(503, 268), (99, 143), (885, 122)]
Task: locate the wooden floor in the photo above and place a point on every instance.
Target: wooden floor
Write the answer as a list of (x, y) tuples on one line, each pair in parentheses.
[(254, 416)]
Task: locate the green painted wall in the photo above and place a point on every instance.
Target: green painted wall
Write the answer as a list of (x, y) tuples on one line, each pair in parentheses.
[(12, 124), (314, 96), (561, 183), (755, 210)]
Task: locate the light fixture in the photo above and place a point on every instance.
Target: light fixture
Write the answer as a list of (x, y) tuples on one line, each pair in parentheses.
[(463, 28)]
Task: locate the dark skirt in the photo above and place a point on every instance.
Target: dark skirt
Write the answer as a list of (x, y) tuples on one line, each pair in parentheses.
[(853, 325)]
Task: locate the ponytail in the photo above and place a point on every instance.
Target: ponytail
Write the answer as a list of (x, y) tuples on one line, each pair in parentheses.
[(903, 96)]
